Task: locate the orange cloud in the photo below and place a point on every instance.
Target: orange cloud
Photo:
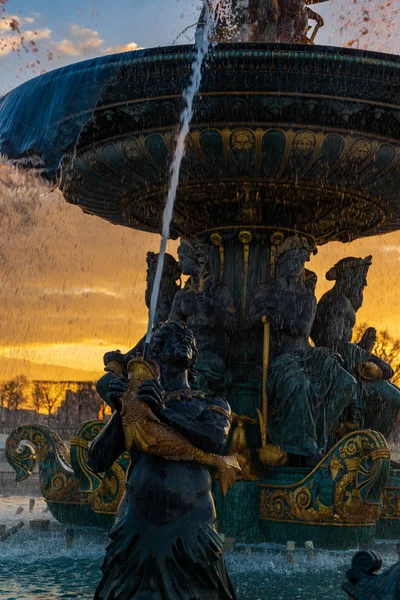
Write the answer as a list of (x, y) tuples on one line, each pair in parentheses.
[(131, 47)]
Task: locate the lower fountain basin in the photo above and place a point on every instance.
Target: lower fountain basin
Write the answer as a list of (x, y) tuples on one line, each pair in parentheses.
[(35, 565)]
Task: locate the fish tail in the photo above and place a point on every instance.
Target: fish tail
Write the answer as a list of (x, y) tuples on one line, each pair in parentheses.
[(228, 468)]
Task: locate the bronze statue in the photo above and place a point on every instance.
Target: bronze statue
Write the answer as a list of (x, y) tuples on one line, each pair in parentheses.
[(164, 543), (169, 286), (145, 432), (377, 403), (266, 21), (306, 385), (206, 306)]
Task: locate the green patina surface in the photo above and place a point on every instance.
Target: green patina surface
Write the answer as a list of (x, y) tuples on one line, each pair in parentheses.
[(237, 514), (389, 524)]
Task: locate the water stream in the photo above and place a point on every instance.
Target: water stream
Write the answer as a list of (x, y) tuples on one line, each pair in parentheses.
[(203, 40)]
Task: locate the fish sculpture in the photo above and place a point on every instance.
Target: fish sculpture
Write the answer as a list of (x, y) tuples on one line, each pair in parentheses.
[(145, 432)]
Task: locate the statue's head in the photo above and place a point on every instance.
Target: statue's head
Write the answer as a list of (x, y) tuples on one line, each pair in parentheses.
[(292, 255), (171, 271), (173, 343), (169, 282), (193, 256), (351, 274)]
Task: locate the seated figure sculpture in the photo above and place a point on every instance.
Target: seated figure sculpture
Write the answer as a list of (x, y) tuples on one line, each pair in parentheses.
[(378, 401), (207, 307), (308, 389), (164, 545), (169, 286)]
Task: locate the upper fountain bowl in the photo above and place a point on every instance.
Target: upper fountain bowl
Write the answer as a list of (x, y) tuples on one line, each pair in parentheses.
[(302, 137)]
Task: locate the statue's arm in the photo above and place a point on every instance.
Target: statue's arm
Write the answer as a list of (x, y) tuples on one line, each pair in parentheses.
[(209, 431), (102, 388), (328, 329), (300, 325), (225, 309), (107, 446), (259, 307)]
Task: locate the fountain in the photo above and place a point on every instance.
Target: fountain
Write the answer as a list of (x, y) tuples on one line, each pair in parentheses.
[(291, 146)]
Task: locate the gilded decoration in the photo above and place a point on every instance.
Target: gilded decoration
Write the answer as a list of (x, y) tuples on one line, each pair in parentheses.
[(58, 481), (303, 184), (344, 489), (105, 490), (245, 238), (391, 503), (218, 241), (65, 477), (360, 151), (240, 448), (304, 143), (106, 499), (243, 139)]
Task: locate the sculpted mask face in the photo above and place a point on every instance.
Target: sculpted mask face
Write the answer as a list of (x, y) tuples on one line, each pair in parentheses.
[(360, 151), (304, 143), (242, 140)]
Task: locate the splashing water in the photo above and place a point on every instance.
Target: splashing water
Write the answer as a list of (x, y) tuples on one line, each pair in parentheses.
[(213, 12), (366, 25), (37, 565)]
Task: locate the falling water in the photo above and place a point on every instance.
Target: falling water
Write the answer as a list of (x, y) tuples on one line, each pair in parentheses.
[(203, 36)]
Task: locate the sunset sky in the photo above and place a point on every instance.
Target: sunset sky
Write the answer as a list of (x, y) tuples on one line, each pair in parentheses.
[(72, 286)]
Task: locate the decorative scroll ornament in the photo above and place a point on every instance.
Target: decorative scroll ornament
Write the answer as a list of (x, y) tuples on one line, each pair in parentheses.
[(346, 488), (65, 477), (58, 481)]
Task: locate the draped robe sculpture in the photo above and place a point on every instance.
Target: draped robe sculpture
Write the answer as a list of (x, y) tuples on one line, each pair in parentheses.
[(206, 305), (308, 389), (377, 402)]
